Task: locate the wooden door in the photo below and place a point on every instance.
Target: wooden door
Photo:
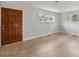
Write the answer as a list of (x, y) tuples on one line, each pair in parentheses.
[(11, 25)]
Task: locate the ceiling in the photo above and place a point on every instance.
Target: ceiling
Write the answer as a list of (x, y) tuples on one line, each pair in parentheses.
[(60, 6)]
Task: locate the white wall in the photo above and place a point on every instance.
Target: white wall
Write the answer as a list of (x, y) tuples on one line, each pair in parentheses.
[(31, 25), (34, 27), (68, 25)]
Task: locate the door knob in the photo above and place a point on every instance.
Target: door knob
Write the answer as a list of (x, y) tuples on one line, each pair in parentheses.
[(3, 27)]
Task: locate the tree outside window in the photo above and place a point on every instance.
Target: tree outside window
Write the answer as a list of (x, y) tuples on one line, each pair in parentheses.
[(46, 18)]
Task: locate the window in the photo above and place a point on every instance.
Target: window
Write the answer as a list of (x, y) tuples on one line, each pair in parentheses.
[(46, 18), (75, 17)]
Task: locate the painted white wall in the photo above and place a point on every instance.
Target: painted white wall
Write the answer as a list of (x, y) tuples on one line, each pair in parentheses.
[(31, 25), (34, 27), (67, 25)]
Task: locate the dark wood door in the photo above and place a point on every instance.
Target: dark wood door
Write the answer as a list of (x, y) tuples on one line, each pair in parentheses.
[(11, 25)]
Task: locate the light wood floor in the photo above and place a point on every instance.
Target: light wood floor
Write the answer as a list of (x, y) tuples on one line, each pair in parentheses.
[(56, 45)]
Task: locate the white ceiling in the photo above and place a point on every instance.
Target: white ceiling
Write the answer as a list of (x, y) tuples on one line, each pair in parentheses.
[(60, 6)]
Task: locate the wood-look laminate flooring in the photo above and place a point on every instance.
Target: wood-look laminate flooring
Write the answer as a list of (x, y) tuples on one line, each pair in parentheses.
[(55, 45)]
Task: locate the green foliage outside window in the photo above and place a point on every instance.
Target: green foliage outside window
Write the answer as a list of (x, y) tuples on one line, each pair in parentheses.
[(75, 18), (47, 18)]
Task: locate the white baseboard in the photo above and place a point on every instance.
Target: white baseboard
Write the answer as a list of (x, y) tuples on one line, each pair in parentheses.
[(73, 33), (30, 38)]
